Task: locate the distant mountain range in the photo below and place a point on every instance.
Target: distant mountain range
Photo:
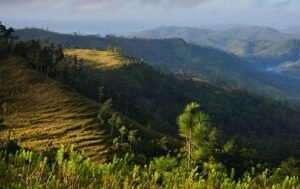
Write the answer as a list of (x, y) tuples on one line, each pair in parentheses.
[(220, 39), (262, 46), (292, 30), (178, 56)]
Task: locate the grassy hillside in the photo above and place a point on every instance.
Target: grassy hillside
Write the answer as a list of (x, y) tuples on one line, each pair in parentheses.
[(98, 59), (43, 113)]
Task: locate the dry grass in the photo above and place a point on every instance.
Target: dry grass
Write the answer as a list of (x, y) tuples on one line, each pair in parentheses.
[(43, 113), (98, 59)]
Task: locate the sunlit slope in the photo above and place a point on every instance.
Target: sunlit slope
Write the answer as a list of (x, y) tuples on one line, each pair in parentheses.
[(44, 113), (98, 59), (106, 60)]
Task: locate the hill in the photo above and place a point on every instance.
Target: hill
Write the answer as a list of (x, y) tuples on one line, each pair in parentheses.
[(189, 34), (249, 33), (178, 56), (155, 99), (45, 114), (225, 39), (292, 30)]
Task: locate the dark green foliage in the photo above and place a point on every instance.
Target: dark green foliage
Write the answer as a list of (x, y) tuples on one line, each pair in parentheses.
[(199, 136), (71, 169), (6, 40)]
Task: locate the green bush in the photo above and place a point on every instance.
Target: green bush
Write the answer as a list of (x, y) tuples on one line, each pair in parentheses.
[(71, 169)]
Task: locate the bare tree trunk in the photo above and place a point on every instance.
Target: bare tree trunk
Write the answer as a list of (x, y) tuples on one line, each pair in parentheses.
[(112, 130), (190, 148)]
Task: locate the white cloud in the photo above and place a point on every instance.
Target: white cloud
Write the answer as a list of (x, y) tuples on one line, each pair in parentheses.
[(29, 5)]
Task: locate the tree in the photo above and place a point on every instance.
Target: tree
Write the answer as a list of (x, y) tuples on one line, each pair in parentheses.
[(7, 40), (123, 131), (132, 137), (2, 115), (114, 121), (100, 89), (104, 111), (194, 127)]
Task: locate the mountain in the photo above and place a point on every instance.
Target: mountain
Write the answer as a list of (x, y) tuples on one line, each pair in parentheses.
[(272, 52), (189, 34), (249, 33), (232, 39), (224, 39), (179, 56), (264, 47), (292, 30)]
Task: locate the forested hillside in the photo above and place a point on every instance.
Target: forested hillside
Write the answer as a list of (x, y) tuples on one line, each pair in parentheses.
[(176, 55), (155, 99)]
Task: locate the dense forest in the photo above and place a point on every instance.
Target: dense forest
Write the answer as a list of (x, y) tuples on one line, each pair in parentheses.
[(217, 137)]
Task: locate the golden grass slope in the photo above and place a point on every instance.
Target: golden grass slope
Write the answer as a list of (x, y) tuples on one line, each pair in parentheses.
[(98, 59), (43, 113)]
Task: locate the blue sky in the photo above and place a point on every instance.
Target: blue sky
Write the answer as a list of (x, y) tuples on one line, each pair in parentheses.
[(121, 16)]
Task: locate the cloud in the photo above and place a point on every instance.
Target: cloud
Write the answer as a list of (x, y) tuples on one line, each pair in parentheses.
[(97, 5), (184, 3), (283, 3), (29, 5)]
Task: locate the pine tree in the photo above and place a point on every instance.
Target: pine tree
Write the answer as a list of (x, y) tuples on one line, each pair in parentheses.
[(194, 127), (131, 137), (123, 131)]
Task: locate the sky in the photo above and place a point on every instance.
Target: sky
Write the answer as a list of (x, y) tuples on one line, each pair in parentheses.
[(122, 16)]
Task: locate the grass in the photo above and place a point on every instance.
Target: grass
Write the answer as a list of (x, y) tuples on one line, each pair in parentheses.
[(44, 113), (98, 59)]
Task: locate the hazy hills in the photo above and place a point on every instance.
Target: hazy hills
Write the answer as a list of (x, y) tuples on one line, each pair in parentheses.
[(189, 34), (220, 39), (265, 45), (292, 30), (234, 33)]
